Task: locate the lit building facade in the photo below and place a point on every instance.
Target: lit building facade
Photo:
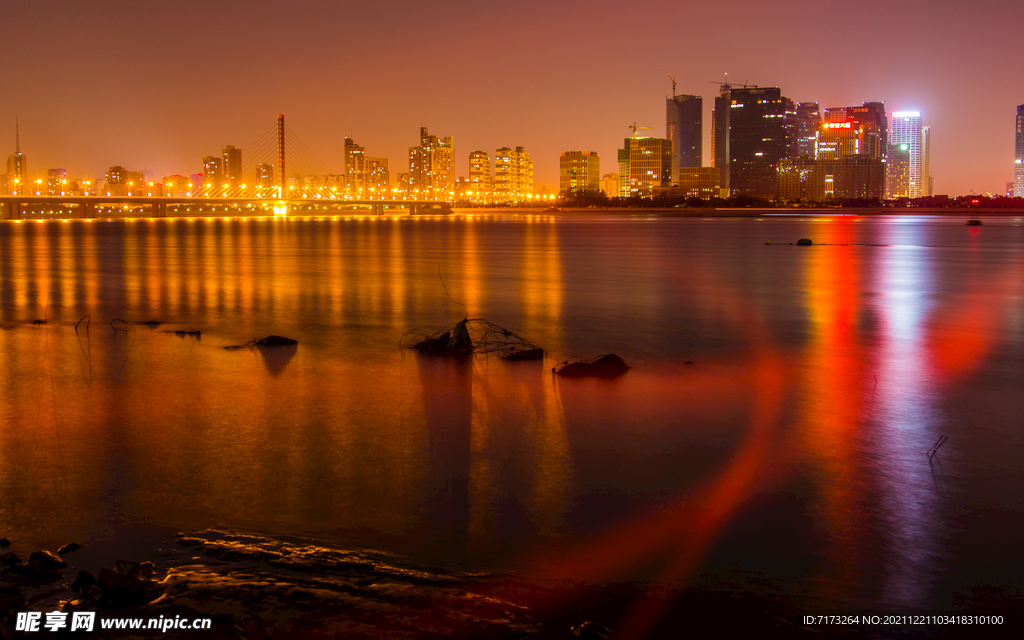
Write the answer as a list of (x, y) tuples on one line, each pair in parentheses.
[(355, 168), (378, 179), (906, 130), (610, 184), (513, 175), (699, 182), (432, 167), (213, 176), (579, 171), (480, 181), (897, 171), (802, 129), (1018, 159), (684, 125), (177, 186), (757, 140), (644, 163), (231, 161), (56, 180), (836, 140), (264, 180)]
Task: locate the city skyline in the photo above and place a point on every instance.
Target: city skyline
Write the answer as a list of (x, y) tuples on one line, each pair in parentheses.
[(128, 96)]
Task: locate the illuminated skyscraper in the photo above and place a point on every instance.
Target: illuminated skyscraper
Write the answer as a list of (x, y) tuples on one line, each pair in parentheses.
[(757, 140), (176, 186), (355, 167), (480, 176), (213, 176), (644, 163), (17, 174), (232, 166), (720, 123), (1018, 160), (684, 126), (56, 179), (802, 130), (579, 171), (378, 180), (610, 184), (264, 180), (906, 130), (513, 175), (432, 167)]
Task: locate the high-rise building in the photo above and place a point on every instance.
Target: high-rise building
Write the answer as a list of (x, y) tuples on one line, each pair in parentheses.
[(177, 186), (432, 167), (480, 176), (926, 161), (906, 130), (803, 135), (610, 184), (115, 182), (378, 180), (264, 180), (757, 140), (513, 175), (355, 167), (721, 118), (802, 178), (684, 125), (699, 182), (644, 163), (232, 166), (1018, 159), (17, 173), (836, 140), (897, 171), (872, 128), (213, 176), (579, 171), (56, 180)]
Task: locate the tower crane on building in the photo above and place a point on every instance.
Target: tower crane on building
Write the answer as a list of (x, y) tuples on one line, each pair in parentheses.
[(673, 84), (635, 126)]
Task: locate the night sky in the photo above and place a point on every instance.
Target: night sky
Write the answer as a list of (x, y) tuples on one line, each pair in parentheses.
[(156, 86)]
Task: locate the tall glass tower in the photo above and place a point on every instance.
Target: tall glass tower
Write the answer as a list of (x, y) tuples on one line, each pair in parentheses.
[(906, 129), (1018, 158), (684, 129)]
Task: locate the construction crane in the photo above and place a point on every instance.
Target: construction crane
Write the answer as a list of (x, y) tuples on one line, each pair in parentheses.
[(727, 85), (635, 126), (673, 84)]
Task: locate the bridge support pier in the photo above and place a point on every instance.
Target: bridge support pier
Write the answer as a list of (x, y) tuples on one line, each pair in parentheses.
[(377, 209), (158, 209), (414, 209), (88, 210)]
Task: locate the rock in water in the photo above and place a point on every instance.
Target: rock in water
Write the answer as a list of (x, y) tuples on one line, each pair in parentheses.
[(45, 560), (804, 241), (275, 341), (4, 542), (68, 548), (609, 366), (590, 630)]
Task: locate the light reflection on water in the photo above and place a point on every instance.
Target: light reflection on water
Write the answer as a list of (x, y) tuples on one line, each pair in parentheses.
[(821, 376)]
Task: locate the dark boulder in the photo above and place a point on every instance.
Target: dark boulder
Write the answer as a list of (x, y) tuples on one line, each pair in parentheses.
[(9, 560), (275, 341), (82, 580), (804, 241), (4, 542), (974, 222), (590, 630), (609, 366), (69, 548), (528, 354), (45, 560)]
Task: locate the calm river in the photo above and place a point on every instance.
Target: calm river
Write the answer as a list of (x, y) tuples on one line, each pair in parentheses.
[(771, 439)]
